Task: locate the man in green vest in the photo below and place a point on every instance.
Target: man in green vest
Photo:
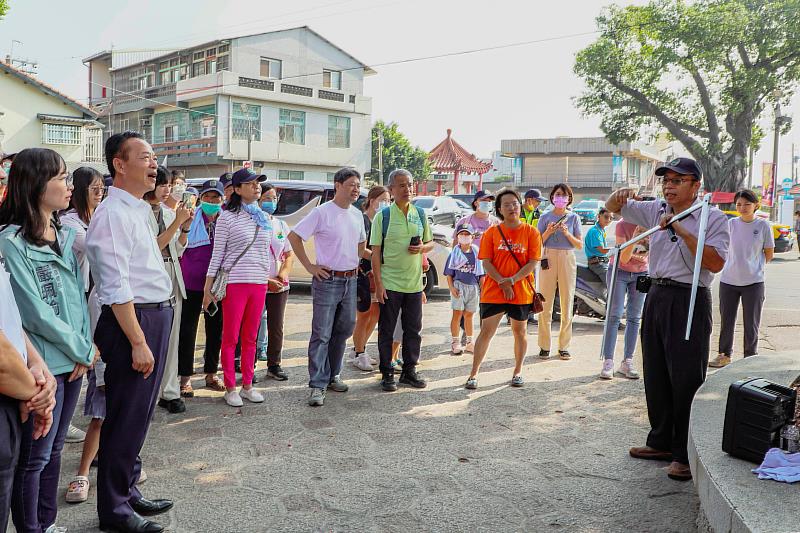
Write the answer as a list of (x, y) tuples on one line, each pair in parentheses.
[(530, 211)]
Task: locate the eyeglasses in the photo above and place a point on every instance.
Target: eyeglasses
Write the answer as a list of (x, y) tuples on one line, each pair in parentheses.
[(98, 189), (67, 179), (675, 182)]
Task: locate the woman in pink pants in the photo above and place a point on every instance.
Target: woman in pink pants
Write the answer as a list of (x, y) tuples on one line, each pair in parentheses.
[(241, 246)]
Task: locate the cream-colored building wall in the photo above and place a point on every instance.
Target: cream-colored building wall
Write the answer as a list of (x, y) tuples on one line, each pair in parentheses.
[(19, 104)]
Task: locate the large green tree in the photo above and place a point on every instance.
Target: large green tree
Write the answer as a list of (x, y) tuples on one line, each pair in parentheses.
[(398, 153), (3, 8), (704, 71)]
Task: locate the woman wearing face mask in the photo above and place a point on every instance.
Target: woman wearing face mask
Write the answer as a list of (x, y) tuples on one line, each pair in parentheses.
[(177, 184), (561, 235), (481, 220), (367, 304), (752, 247), (194, 264), (243, 236), (269, 344), (48, 288)]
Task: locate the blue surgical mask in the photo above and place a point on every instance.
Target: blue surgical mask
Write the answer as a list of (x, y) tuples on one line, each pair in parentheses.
[(269, 207), (485, 207), (383, 205)]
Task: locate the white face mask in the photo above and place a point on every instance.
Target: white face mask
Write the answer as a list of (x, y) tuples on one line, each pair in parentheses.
[(383, 205), (465, 239), (485, 207), (177, 192)]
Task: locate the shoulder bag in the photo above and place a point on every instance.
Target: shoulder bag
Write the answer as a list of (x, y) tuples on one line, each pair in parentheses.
[(220, 285), (538, 300)]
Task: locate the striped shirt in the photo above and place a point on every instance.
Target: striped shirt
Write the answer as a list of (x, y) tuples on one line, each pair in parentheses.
[(233, 232)]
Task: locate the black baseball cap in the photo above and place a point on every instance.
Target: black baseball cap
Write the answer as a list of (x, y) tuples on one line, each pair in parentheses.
[(245, 175), (480, 195), (681, 165), (212, 186), (536, 194)]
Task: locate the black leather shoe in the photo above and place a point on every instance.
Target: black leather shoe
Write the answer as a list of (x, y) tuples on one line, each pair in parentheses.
[(134, 524), (410, 377), (388, 383), (147, 507), (173, 406)]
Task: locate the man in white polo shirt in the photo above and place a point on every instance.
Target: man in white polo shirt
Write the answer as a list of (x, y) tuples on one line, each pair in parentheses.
[(339, 241)]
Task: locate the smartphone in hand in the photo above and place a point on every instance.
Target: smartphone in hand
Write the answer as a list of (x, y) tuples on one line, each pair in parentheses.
[(212, 309), (189, 200)]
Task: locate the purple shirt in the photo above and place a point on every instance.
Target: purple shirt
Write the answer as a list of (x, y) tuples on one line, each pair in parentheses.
[(480, 225), (194, 261), (674, 260), (559, 241)]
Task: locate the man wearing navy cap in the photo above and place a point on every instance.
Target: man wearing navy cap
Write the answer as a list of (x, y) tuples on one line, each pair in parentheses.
[(674, 368), (227, 185), (530, 210)]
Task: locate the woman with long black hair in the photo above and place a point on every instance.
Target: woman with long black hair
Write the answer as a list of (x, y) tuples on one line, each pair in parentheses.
[(48, 287)]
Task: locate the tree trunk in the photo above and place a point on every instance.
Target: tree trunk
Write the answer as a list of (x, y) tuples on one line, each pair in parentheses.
[(726, 174)]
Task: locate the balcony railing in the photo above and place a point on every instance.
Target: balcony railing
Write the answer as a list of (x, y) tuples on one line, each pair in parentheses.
[(149, 93), (93, 145), (194, 147)]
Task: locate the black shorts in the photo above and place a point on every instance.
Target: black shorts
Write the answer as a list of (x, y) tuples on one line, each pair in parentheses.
[(514, 311), (363, 296)]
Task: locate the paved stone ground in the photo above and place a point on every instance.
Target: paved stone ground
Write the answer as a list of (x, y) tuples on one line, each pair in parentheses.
[(551, 456)]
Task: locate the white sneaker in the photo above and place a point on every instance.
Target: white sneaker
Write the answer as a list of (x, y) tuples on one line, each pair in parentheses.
[(608, 369), (469, 346), (362, 363), (75, 434), (251, 395), (55, 529), (352, 356), (233, 399), (628, 370), (373, 361)]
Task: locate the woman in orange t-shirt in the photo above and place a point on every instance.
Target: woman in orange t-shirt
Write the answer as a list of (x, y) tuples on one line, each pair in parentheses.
[(509, 252)]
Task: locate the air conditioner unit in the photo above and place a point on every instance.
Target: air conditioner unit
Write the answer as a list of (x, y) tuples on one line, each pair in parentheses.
[(144, 122)]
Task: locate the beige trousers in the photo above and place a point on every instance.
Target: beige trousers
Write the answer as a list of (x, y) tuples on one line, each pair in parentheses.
[(561, 274), (170, 384)]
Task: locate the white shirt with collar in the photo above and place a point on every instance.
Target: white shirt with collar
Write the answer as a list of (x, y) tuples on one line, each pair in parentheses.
[(126, 263)]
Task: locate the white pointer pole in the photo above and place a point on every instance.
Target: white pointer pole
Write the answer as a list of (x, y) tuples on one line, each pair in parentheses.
[(698, 259)]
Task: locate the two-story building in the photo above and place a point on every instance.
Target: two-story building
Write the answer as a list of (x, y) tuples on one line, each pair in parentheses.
[(289, 101), (592, 166), (35, 115)]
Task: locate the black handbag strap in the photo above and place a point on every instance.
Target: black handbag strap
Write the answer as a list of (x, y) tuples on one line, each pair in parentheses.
[(516, 259)]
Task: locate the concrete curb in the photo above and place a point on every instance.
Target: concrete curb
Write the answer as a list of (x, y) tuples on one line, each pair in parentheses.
[(732, 498)]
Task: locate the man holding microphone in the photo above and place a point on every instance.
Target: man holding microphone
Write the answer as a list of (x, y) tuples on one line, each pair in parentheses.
[(674, 368)]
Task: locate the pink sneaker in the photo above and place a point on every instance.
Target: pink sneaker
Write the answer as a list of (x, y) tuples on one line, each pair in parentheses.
[(456, 347), (608, 369), (470, 346), (627, 369)]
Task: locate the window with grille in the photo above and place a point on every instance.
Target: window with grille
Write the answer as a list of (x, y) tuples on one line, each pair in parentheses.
[(246, 119), (223, 48), (332, 79), (297, 175), (270, 68), (292, 126), (338, 132), (198, 69), (224, 62), (199, 56), (61, 134), (124, 124)]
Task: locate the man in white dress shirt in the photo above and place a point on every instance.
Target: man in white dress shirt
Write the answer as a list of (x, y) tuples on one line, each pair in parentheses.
[(133, 330)]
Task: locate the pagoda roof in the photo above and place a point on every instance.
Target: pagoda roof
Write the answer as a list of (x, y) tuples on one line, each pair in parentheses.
[(449, 156)]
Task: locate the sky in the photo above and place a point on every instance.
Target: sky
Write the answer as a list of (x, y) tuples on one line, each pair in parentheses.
[(518, 92)]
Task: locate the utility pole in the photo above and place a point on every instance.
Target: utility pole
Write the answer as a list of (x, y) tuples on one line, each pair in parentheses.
[(774, 209)]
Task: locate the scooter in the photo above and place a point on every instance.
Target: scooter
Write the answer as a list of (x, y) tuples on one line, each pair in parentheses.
[(590, 296)]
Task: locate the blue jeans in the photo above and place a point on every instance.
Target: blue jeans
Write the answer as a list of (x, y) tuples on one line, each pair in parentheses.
[(332, 323), (35, 497), (261, 340), (625, 286)]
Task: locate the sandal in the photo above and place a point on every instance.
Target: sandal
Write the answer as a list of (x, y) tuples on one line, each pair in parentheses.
[(187, 391), (78, 490), (471, 384), (517, 381), (564, 355), (215, 384)]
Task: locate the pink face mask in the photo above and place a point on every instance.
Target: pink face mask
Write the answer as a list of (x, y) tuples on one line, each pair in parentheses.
[(465, 239), (560, 201)]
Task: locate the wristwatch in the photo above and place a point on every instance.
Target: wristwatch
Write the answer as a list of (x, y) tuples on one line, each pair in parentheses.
[(185, 230)]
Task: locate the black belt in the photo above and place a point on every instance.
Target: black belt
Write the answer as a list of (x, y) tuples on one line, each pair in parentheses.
[(597, 259), (160, 305), (666, 282)]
